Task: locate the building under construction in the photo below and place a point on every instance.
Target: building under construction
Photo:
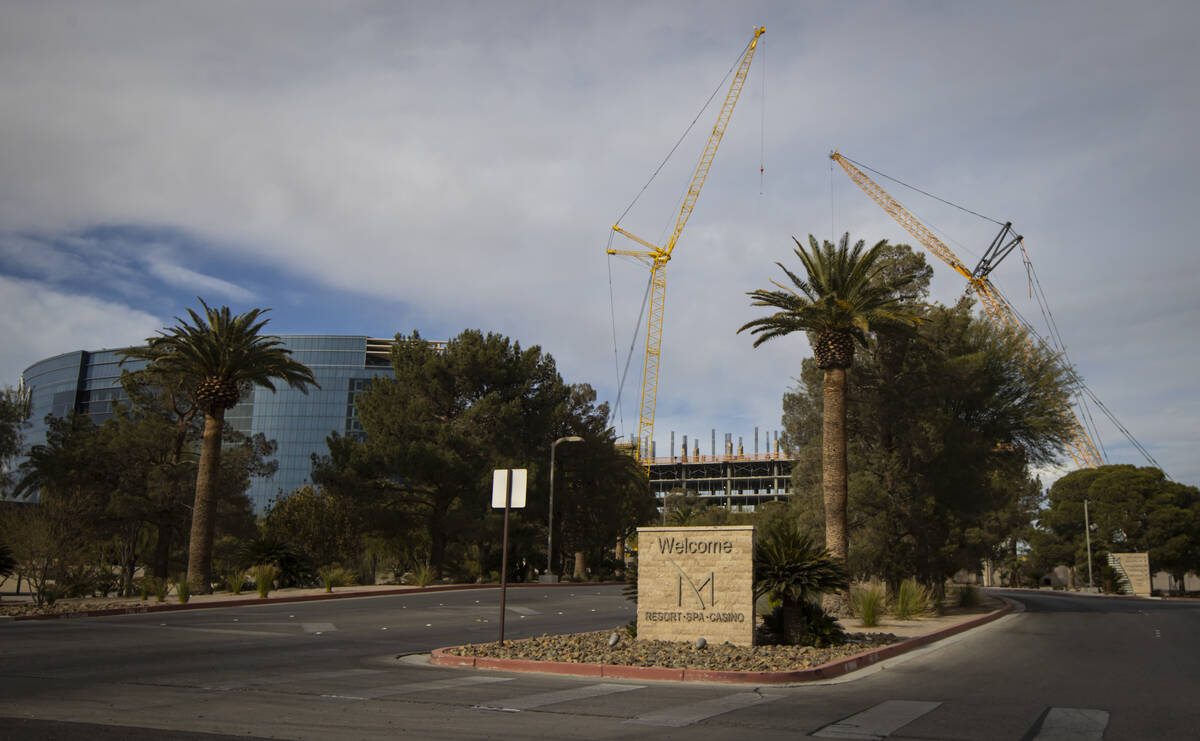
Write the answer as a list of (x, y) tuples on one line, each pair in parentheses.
[(733, 478)]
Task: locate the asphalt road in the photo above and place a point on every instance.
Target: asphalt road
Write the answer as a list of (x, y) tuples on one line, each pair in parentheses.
[(1067, 667)]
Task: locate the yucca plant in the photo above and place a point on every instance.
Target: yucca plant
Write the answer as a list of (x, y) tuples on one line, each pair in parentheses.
[(334, 576), (423, 576), (264, 577), (911, 600), (183, 591), (867, 603)]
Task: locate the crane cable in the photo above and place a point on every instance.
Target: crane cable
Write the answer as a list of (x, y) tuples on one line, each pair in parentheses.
[(622, 375), (1055, 345), (703, 108)]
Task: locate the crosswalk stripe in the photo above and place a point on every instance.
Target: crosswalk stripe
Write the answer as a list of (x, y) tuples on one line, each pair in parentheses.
[(685, 715), (528, 702), (282, 678), (1073, 724), (877, 722), (414, 687)]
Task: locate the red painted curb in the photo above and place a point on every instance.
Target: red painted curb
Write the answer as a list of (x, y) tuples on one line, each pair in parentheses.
[(142, 609), (837, 668)]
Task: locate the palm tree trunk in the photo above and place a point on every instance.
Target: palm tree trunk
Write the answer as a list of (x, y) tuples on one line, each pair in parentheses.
[(833, 476), (204, 508)]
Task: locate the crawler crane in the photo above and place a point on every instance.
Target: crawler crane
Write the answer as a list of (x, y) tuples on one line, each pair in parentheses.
[(1083, 451)]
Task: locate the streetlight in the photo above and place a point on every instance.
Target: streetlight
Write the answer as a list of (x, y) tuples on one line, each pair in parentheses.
[(550, 531), (1087, 532)]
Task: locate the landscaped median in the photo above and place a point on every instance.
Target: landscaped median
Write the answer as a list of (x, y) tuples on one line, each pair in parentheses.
[(589, 654)]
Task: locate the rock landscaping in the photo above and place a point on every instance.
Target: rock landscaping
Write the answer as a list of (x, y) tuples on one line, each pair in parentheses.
[(595, 648)]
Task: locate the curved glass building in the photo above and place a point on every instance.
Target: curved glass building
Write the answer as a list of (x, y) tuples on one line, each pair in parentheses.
[(89, 382)]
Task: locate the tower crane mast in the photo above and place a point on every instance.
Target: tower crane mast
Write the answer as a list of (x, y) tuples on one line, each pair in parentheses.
[(657, 256), (1081, 448)]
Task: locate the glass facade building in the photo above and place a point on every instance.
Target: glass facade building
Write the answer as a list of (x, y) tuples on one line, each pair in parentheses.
[(344, 366)]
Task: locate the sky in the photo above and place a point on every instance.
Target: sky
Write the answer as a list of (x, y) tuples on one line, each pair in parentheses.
[(372, 168)]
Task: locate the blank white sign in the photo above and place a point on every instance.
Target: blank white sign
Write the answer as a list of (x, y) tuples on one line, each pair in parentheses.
[(500, 483)]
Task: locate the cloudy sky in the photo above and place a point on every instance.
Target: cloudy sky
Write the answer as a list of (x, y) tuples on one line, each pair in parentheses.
[(378, 167)]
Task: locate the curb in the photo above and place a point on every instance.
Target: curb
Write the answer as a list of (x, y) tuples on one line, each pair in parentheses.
[(833, 669), (143, 609)]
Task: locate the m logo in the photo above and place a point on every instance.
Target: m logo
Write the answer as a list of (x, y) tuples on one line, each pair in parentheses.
[(697, 590)]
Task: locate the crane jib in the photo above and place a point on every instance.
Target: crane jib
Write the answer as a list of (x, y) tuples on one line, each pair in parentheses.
[(658, 257)]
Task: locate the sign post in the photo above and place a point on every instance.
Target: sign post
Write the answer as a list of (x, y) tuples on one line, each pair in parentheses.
[(508, 491)]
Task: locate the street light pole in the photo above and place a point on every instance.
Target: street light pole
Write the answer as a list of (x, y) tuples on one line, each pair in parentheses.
[(550, 528)]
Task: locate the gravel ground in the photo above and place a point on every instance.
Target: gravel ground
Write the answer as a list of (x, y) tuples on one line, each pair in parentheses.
[(594, 648)]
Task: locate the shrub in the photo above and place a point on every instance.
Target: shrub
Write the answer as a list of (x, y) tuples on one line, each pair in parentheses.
[(236, 581), (264, 577), (968, 596), (867, 603), (160, 589), (292, 569), (911, 599), (820, 629), (789, 565), (334, 576), (183, 591), (423, 576)]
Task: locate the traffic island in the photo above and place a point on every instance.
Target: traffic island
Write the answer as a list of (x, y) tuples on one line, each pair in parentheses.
[(598, 655)]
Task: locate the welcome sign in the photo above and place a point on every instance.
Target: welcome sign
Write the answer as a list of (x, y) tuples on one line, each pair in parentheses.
[(696, 582)]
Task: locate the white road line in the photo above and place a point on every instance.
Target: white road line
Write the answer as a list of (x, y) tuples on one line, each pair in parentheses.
[(413, 687), (686, 715), (877, 722), (522, 610), (232, 631), (1073, 724), (318, 627), (282, 678), (541, 699)]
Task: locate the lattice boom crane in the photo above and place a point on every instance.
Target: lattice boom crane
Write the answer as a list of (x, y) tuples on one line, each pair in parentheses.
[(657, 257), (1083, 451)]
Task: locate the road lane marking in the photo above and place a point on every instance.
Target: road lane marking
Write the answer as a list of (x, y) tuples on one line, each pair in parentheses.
[(414, 687), (1073, 724), (318, 627), (522, 611), (282, 678), (541, 699), (878, 722), (686, 715)]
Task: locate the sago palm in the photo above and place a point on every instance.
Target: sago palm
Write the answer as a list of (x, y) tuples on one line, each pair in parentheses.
[(788, 565), (216, 356), (847, 294)]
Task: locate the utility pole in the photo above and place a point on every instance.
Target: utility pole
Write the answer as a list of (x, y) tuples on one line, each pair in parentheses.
[(1087, 534)]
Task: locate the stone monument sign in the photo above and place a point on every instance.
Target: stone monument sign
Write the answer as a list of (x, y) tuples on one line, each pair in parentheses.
[(696, 582), (1137, 567)]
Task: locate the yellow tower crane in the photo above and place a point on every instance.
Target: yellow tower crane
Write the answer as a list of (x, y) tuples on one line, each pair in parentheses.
[(657, 257), (1083, 451)]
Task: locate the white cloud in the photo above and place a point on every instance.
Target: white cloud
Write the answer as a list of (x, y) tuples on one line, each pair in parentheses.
[(38, 322), (204, 285), (468, 160)]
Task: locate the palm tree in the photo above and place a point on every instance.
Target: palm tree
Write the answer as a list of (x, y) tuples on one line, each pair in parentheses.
[(790, 566), (217, 356), (847, 294)]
